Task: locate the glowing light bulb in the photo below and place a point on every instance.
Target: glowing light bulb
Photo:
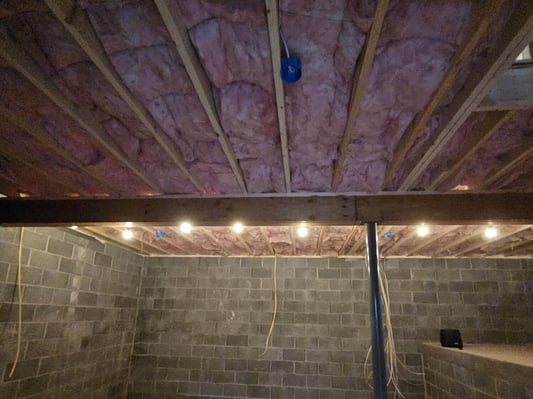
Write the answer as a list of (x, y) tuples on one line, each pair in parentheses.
[(127, 234), (128, 225), (238, 228), (74, 227), (186, 227), (491, 232), (422, 230), (302, 231)]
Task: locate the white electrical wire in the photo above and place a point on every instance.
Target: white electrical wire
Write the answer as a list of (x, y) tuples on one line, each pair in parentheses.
[(390, 349)]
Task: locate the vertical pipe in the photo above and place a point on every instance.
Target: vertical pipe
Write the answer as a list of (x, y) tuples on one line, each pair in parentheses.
[(378, 352)]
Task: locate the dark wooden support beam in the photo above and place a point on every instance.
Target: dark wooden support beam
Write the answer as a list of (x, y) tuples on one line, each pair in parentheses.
[(457, 208)]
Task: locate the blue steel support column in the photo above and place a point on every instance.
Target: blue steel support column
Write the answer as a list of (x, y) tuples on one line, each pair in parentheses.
[(378, 351)]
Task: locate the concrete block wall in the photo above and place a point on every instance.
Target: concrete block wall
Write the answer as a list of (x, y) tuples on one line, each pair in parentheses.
[(203, 322), (79, 310), (456, 374)]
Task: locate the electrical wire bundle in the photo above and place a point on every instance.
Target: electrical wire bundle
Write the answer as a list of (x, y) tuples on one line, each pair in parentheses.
[(393, 362)]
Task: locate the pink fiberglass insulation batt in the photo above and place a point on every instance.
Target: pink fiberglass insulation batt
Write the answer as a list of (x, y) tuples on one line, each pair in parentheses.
[(413, 53)]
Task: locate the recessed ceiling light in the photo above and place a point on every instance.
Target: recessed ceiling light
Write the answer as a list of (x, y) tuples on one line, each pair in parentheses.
[(185, 227), (302, 231), (128, 225), (238, 228), (491, 232), (127, 234), (422, 230)]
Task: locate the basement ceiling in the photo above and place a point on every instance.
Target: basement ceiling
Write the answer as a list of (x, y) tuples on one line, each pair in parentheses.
[(158, 98)]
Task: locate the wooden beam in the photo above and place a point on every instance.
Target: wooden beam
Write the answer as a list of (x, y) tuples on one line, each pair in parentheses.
[(362, 70), (511, 91), (173, 19), (272, 12), (267, 240), (510, 42), (520, 250), (44, 138), (77, 23), (457, 208), (293, 242), (26, 66), (409, 235), (485, 243), (491, 124), (482, 15), (508, 167)]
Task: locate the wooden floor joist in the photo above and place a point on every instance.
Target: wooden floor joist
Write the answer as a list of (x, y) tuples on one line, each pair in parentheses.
[(415, 250), (362, 70), (27, 67), (511, 91), (267, 240), (77, 23), (173, 19), (500, 238), (510, 43), (42, 136), (272, 11), (459, 208), (508, 167), (490, 125), (479, 24)]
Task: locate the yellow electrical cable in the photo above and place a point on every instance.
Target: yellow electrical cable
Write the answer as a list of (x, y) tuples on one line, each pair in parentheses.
[(269, 336), (19, 291)]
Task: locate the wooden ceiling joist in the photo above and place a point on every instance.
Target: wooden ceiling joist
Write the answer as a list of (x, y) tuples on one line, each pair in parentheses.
[(362, 70), (444, 250), (478, 26), (458, 208), (416, 249), (491, 124), (27, 67), (511, 91), (218, 242), (500, 238), (350, 236), (510, 43), (42, 136), (173, 19), (272, 11), (47, 178), (267, 240), (508, 167), (77, 23)]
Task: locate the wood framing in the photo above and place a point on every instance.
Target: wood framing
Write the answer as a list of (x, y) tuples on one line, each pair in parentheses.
[(272, 12), (431, 240), (27, 67), (171, 15), (511, 91), (77, 23), (482, 16), (42, 136), (508, 167), (484, 243), (510, 43), (457, 208), (216, 241), (491, 124), (362, 70), (267, 240)]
